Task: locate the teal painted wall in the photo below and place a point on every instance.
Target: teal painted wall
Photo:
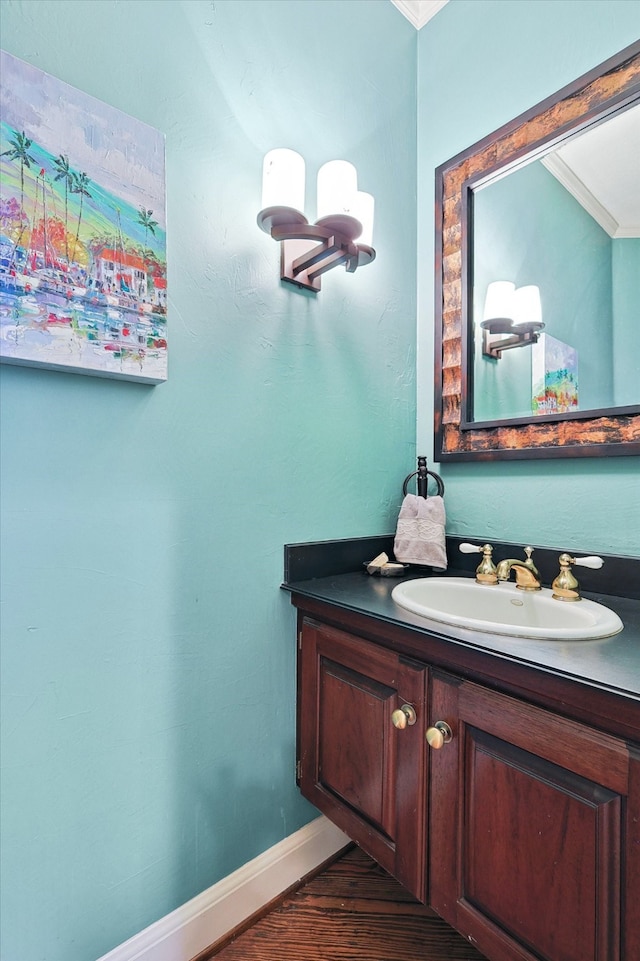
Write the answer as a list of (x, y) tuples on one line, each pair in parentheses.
[(626, 312), (480, 64), (148, 657), (148, 663), (530, 230)]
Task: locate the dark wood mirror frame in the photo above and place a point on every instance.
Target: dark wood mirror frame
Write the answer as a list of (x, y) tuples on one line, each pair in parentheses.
[(615, 431)]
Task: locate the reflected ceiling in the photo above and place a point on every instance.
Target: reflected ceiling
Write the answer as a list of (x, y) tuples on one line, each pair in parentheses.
[(600, 168)]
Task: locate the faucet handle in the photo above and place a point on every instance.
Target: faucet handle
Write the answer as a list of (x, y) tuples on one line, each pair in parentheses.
[(565, 586), (466, 548), (486, 569), (592, 561)]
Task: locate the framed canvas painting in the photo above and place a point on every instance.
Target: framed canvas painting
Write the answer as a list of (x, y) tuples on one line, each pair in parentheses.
[(554, 372), (83, 273)]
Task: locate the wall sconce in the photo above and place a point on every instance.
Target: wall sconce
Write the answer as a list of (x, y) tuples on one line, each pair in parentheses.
[(345, 214), (512, 317)]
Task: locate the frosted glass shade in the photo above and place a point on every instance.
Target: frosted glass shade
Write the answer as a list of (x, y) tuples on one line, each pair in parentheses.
[(499, 301), (527, 308), (283, 179), (363, 211), (337, 189)]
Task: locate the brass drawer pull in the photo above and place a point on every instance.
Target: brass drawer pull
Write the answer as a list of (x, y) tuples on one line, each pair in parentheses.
[(404, 716), (439, 735)]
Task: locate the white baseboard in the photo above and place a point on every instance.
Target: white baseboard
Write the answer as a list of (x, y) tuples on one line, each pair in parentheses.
[(211, 915)]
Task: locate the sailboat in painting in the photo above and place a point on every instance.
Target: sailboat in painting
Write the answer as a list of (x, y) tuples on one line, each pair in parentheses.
[(82, 237)]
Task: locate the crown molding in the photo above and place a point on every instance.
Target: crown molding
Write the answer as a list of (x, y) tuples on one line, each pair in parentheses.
[(563, 173), (418, 12)]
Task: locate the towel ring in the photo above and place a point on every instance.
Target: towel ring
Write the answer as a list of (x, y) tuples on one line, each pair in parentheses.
[(423, 474)]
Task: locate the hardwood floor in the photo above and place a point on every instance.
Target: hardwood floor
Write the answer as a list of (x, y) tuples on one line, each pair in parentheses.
[(351, 910)]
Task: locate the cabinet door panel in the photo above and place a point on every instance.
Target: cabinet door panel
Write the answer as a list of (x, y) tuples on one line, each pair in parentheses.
[(360, 770), (527, 818), (526, 850), (352, 706)]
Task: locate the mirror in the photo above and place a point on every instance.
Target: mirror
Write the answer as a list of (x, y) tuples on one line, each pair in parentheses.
[(568, 223), (573, 388)]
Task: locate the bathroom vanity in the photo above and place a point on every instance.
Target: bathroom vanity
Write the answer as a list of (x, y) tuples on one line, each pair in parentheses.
[(497, 778)]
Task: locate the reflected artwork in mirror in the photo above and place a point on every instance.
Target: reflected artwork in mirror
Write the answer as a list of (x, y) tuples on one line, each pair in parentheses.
[(533, 206)]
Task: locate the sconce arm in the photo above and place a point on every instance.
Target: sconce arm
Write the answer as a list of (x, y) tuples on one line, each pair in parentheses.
[(332, 250), (303, 265), (322, 258), (494, 341)]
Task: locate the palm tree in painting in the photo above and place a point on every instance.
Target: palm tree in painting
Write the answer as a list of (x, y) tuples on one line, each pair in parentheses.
[(19, 150), (144, 219), (80, 184), (65, 173)]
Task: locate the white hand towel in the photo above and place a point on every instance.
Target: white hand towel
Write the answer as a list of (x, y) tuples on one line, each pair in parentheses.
[(420, 537)]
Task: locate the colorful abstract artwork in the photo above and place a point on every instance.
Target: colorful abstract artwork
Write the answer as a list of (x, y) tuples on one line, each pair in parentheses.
[(554, 370), (83, 276)]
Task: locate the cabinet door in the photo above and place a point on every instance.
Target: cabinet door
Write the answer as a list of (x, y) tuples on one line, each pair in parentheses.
[(531, 830), (355, 765)]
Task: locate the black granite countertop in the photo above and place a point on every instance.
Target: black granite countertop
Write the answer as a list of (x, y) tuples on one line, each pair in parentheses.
[(611, 664)]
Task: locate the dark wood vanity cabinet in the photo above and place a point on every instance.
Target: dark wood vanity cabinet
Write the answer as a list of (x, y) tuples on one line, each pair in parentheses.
[(522, 831)]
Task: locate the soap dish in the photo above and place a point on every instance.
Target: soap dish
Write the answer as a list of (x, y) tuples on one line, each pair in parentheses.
[(388, 570)]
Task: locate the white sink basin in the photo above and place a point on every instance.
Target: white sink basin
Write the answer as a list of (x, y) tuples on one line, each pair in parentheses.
[(505, 609)]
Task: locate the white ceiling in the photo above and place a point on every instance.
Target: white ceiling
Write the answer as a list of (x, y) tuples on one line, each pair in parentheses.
[(599, 168)]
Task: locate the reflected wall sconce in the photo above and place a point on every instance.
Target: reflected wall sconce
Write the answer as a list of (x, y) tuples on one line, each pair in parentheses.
[(345, 215), (512, 317)]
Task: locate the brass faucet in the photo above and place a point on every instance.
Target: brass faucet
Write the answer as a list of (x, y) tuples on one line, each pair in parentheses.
[(527, 574), (565, 587), (486, 569)]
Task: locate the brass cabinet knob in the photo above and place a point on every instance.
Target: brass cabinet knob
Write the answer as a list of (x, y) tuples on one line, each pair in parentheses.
[(403, 716), (439, 734)]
